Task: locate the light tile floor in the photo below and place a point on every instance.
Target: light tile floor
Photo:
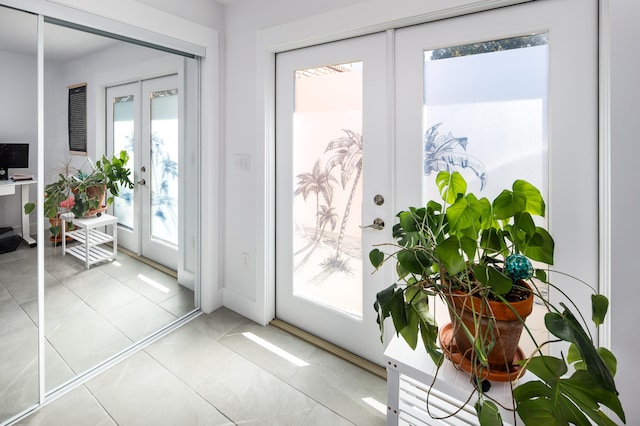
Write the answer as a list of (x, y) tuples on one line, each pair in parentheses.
[(90, 315), (208, 372)]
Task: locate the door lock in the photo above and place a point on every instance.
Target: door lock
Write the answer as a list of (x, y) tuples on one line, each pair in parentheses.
[(378, 200), (378, 224)]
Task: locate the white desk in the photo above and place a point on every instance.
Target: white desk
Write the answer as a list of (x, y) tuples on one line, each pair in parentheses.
[(410, 382), (89, 250), (8, 187)]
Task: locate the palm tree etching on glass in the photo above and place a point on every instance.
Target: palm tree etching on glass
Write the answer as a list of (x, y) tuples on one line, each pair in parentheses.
[(347, 154), (342, 156), (164, 184), (342, 163), (440, 155), (317, 181), (164, 179)]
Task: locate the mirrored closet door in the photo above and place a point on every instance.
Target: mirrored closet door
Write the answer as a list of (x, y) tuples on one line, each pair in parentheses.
[(18, 267), (91, 314)]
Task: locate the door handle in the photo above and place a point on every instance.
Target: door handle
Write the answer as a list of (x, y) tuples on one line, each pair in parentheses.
[(378, 224), (142, 182)]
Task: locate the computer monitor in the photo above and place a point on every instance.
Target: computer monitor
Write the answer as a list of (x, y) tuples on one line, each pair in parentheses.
[(13, 156)]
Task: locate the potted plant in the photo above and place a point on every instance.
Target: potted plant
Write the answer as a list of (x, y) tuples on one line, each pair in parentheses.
[(476, 256), (55, 228), (88, 189)]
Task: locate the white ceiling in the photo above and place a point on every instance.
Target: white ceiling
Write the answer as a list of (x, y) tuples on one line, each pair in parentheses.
[(18, 34)]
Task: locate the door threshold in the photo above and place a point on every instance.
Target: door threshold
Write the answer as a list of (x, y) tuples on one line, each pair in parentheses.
[(149, 262), (354, 359)]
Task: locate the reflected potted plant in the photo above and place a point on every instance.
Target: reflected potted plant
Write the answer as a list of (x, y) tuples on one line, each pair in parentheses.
[(88, 189), (55, 223), (476, 256)]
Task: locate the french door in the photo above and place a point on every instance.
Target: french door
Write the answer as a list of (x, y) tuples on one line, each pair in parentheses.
[(332, 180), (498, 95), (508, 95), (143, 119)]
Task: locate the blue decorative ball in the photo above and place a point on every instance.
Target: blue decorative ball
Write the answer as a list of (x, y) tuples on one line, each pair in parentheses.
[(518, 267)]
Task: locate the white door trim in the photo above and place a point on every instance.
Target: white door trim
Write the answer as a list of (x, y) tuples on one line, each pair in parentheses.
[(604, 161), (364, 18)]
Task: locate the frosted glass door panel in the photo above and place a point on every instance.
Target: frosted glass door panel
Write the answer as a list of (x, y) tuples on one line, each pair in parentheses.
[(327, 167), (123, 133), (124, 139), (164, 166), (485, 113)]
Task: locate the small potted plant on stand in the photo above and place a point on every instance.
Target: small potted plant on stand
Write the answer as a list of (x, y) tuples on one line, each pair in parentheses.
[(476, 256), (88, 189), (56, 223)]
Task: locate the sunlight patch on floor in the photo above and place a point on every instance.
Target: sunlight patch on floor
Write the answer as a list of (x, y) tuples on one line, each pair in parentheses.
[(153, 283), (376, 404), (275, 349)]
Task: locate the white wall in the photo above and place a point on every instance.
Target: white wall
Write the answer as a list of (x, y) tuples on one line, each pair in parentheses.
[(92, 70), (625, 204), (18, 120), (204, 12)]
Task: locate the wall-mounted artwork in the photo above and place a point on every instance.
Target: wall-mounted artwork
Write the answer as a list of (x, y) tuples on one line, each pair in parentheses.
[(78, 119)]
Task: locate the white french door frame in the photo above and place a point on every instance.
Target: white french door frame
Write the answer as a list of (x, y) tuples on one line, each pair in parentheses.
[(140, 239), (319, 313), (150, 27), (367, 18)]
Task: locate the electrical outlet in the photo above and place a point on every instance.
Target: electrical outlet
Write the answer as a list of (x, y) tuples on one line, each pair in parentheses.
[(243, 162)]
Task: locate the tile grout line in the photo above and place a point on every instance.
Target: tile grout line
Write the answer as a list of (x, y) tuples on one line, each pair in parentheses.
[(192, 388)]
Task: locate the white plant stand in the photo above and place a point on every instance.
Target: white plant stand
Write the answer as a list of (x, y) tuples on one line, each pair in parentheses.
[(410, 382), (90, 249)]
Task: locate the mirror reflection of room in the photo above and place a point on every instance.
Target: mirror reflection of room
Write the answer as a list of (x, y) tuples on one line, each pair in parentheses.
[(92, 311), (18, 267)]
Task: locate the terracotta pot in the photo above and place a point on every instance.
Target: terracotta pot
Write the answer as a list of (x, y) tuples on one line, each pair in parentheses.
[(56, 221), (98, 193), (506, 329)]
